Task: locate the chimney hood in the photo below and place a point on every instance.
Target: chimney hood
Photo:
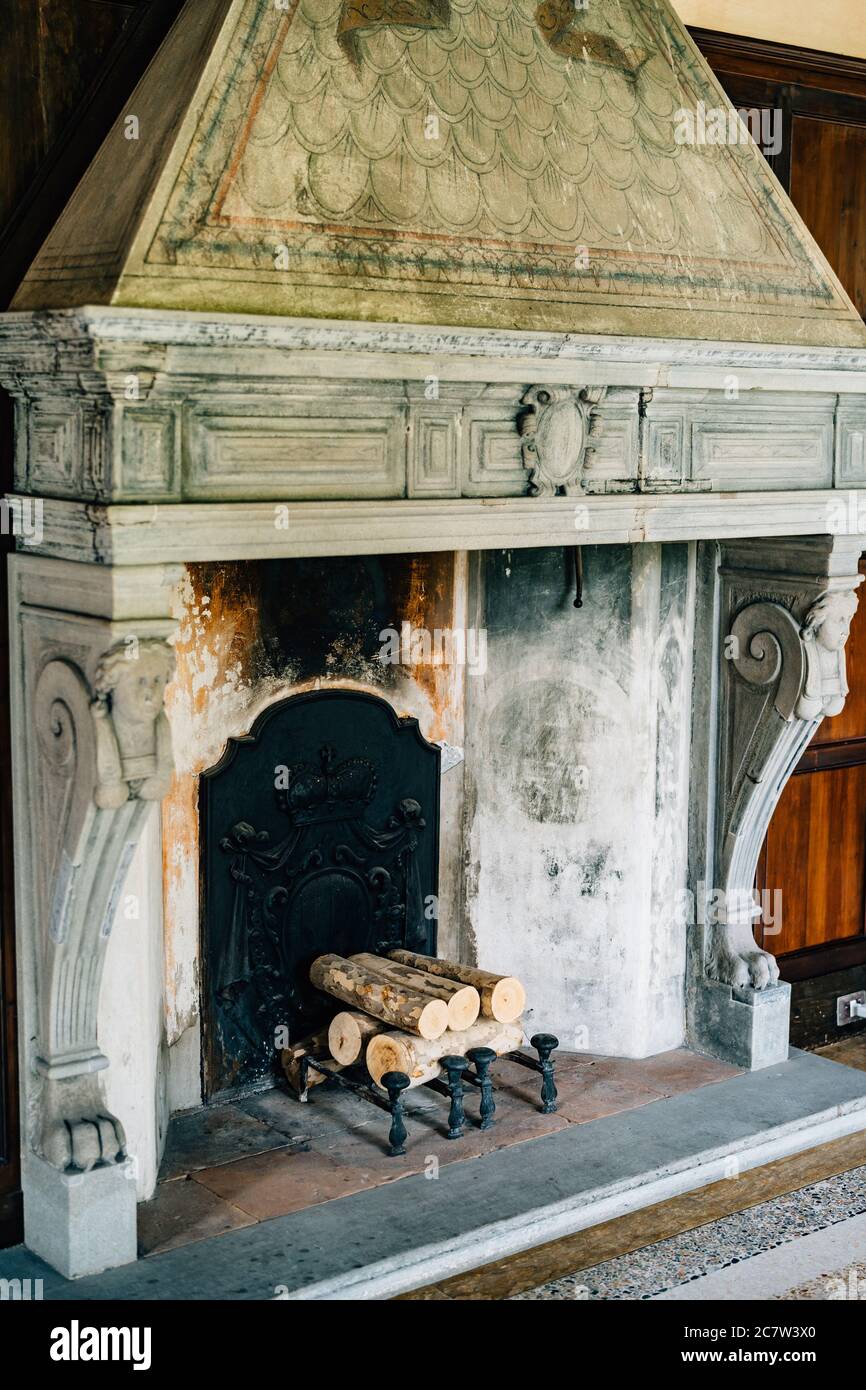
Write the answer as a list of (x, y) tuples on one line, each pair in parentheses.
[(490, 164)]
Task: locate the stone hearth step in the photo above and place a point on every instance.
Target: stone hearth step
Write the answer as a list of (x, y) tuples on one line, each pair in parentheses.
[(378, 1243)]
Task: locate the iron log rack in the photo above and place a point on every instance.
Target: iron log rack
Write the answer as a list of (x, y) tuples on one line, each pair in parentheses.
[(473, 1070)]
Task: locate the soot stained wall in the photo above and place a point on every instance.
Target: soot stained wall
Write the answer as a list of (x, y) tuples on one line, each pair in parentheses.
[(577, 782), (251, 634)]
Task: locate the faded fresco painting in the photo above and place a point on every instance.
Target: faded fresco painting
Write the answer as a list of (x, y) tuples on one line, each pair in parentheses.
[(485, 162)]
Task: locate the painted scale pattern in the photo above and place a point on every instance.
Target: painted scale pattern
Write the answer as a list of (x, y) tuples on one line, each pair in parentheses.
[(497, 119)]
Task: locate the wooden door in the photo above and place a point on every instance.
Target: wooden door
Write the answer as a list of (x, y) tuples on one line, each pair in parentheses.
[(812, 870)]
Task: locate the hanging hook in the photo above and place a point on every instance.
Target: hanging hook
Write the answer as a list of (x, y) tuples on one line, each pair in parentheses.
[(578, 576)]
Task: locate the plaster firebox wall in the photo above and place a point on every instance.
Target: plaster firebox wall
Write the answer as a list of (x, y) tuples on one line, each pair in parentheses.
[(251, 635), (553, 780)]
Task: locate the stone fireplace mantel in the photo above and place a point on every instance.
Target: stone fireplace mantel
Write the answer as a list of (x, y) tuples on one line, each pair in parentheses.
[(172, 437), (657, 537), (155, 441), (149, 442), (194, 489)]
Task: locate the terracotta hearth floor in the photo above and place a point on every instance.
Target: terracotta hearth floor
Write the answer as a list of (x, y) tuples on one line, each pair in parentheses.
[(234, 1165)]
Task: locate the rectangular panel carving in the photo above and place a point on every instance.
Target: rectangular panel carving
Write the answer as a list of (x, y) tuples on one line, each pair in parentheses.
[(433, 453), (666, 449), (612, 452), (355, 450), (775, 452), (54, 446), (491, 451), (850, 445), (148, 463)]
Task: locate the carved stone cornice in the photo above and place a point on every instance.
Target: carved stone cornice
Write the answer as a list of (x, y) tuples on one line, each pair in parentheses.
[(84, 335), (127, 535), (131, 406)]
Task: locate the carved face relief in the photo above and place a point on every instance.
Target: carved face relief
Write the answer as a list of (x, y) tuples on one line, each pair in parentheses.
[(824, 634), (833, 628), (133, 737), (140, 690)]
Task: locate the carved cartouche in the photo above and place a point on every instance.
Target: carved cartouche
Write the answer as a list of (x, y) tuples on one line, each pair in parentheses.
[(555, 423), (133, 739)]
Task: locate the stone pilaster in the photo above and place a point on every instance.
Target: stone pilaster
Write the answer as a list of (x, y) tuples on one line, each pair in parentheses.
[(92, 758)]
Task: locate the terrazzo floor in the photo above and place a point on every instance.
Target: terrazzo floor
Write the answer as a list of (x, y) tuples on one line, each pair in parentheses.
[(729, 1244), (846, 1283), (793, 1230), (731, 1241)]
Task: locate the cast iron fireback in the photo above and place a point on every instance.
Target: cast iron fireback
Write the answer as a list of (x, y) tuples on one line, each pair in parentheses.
[(319, 833)]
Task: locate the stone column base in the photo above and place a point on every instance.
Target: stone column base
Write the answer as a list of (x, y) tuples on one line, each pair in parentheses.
[(81, 1223), (746, 1027)]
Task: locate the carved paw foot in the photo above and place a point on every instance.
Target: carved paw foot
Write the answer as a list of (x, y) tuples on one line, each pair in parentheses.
[(743, 966), (84, 1143), (155, 788)]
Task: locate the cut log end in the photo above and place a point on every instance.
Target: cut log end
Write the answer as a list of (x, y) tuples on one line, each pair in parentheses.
[(432, 1020), (507, 999), (291, 1057), (502, 996), (363, 990), (463, 1000), (463, 1009), (349, 1034), (387, 1053)]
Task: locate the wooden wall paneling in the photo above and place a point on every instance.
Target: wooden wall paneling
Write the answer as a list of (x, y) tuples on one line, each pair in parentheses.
[(815, 859), (85, 60), (735, 54), (54, 50), (834, 205), (851, 723)]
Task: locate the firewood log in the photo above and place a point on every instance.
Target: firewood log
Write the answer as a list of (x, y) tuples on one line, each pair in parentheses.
[(349, 1034), (314, 1045), (464, 1002), (502, 996), (419, 1057), (361, 989)]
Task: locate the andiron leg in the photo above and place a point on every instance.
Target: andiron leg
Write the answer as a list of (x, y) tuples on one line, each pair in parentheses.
[(482, 1058), (395, 1083), (454, 1067), (544, 1044)]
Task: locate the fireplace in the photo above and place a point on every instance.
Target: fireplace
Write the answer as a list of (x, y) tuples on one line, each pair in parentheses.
[(320, 833), (319, 409)]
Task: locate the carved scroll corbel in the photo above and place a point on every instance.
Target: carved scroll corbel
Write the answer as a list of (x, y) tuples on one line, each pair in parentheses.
[(558, 426), (780, 677), (103, 755)]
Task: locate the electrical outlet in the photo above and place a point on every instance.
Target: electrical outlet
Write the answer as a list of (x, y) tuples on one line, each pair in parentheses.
[(850, 1008)]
